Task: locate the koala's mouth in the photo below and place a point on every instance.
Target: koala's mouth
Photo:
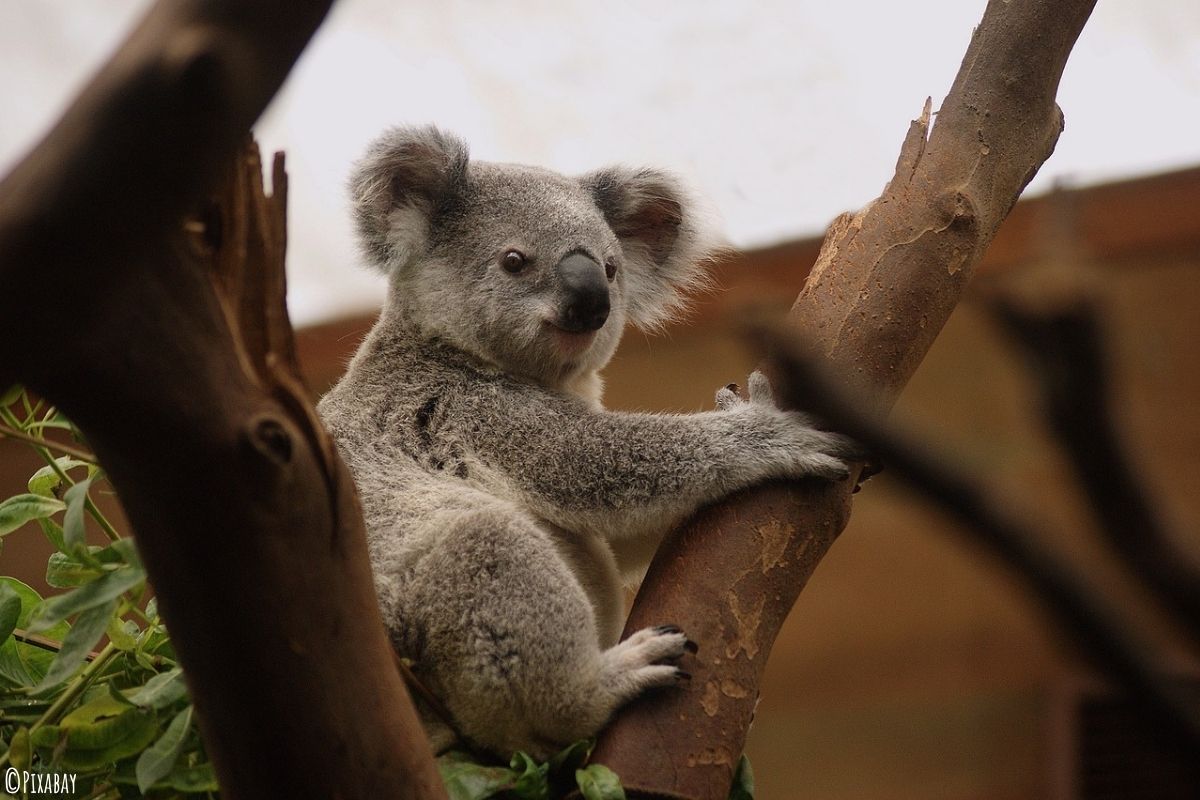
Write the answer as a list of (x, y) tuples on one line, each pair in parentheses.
[(570, 342)]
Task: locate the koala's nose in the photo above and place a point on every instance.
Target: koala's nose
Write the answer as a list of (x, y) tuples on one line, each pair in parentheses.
[(585, 294)]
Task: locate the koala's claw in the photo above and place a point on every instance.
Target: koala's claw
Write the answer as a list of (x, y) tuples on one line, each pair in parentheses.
[(727, 398), (760, 389), (691, 647), (653, 645), (684, 677)]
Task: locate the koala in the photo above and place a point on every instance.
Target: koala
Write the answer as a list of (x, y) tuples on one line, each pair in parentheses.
[(505, 508)]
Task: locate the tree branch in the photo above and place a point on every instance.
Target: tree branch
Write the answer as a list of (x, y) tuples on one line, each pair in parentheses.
[(246, 519), (883, 286)]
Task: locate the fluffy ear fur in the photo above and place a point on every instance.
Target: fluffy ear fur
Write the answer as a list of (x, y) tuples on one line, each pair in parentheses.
[(407, 175), (665, 243)]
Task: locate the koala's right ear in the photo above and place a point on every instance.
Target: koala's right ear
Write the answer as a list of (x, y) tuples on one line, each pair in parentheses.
[(406, 177)]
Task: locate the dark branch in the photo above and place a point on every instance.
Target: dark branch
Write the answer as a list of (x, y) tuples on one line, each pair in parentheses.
[(1080, 612), (1063, 348)]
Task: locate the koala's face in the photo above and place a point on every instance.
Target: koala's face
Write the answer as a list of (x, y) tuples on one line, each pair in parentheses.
[(527, 269), (523, 270)]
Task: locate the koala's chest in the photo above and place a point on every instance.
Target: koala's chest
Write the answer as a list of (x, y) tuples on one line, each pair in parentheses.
[(435, 440)]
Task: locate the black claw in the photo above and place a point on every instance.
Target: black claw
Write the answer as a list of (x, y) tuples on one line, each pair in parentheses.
[(668, 629), (691, 647), (682, 676)]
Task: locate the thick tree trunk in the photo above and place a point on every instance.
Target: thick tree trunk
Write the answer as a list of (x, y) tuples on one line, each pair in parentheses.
[(246, 518), (883, 286)]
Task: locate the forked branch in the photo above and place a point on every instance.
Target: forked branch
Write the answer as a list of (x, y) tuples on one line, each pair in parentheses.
[(883, 286)]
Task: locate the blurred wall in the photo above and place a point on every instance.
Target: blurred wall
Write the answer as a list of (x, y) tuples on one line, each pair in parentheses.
[(912, 667)]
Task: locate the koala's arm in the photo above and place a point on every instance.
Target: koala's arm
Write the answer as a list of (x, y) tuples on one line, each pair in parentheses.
[(629, 474)]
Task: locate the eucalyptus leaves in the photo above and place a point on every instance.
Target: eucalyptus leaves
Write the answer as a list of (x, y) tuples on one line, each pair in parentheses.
[(119, 718)]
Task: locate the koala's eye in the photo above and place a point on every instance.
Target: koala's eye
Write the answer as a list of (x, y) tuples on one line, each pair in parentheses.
[(610, 269), (513, 261)]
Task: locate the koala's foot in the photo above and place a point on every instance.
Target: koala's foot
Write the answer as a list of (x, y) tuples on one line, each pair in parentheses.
[(813, 452), (644, 661)]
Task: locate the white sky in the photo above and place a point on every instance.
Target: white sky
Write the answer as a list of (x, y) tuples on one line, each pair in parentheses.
[(783, 113)]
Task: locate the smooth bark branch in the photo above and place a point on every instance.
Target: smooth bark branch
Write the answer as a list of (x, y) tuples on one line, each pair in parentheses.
[(246, 519), (884, 285)]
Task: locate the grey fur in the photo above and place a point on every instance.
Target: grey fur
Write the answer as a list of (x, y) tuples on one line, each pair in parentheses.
[(504, 505)]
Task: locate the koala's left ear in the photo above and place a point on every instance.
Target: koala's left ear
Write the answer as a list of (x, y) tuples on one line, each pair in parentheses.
[(407, 175), (663, 238)]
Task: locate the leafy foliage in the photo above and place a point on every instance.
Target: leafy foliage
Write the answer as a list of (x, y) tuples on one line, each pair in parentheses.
[(88, 678), (467, 777)]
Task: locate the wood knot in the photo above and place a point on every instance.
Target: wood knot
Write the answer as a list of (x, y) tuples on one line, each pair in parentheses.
[(961, 218), (271, 439)]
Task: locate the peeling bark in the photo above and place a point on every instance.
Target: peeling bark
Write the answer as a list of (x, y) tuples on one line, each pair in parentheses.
[(884, 285)]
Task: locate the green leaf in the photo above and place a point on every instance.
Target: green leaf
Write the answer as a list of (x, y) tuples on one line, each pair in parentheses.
[(22, 508), (598, 782), (188, 776), (571, 758), (58, 423), (10, 610), (466, 780), (90, 595), (66, 572), (123, 550), (74, 533), (46, 480), (24, 664), (159, 759), (160, 691), (123, 633), (11, 395), (99, 723), (100, 733), (87, 630), (531, 782), (743, 781), (53, 532), (20, 751), (193, 780)]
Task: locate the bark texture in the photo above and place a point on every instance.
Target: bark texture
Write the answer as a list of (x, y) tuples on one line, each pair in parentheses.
[(173, 352), (881, 290)]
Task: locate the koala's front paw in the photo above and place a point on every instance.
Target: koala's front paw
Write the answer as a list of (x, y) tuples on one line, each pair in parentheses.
[(760, 394), (807, 450)]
